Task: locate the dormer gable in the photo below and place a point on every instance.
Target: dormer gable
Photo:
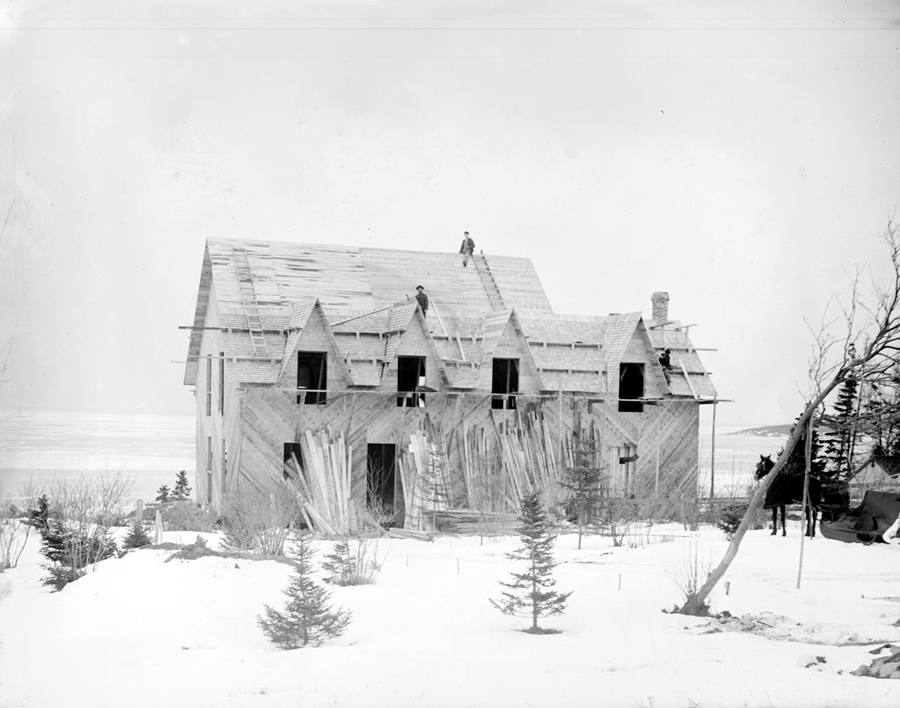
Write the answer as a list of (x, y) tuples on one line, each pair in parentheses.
[(412, 338), (309, 331), (504, 339)]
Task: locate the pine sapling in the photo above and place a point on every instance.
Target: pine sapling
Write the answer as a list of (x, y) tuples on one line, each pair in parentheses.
[(307, 618), (531, 592), (339, 564), (137, 537), (355, 564), (182, 491), (163, 494)]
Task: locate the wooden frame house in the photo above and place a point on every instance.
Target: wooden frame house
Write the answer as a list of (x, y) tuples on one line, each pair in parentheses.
[(314, 366)]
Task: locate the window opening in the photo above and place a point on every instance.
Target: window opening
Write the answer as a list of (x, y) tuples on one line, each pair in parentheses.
[(410, 377), (312, 374), (504, 380), (631, 386)]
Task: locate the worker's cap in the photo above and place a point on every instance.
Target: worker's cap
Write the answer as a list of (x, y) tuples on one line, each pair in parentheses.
[(465, 233), (420, 287), (668, 351)]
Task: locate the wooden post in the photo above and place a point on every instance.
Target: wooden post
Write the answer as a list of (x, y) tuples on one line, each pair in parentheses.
[(808, 451), (560, 427), (139, 513), (658, 426), (157, 531), (712, 458)]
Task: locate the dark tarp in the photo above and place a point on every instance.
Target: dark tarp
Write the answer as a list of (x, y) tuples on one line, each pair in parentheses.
[(866, 523)]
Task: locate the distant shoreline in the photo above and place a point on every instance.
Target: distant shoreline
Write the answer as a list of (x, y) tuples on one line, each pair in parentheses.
[(765, 431)]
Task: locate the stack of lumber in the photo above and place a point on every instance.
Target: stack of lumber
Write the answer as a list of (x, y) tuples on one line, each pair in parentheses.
[(487, 487), (474, 522), (424, 475), (324, 484), (518, 459)]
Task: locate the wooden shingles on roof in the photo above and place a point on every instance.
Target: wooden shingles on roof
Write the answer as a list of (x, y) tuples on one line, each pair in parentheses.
[(356, 287)]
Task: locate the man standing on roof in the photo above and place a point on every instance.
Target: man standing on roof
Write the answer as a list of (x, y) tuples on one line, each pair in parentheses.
[(467, 247), (422, 299)]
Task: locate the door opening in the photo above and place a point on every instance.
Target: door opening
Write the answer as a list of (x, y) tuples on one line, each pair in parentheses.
[(382, 489)]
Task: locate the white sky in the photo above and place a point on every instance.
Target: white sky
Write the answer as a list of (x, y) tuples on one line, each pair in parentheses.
[(742, 156)]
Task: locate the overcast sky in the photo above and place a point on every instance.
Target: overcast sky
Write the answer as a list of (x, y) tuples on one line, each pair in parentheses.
[(742, 156)]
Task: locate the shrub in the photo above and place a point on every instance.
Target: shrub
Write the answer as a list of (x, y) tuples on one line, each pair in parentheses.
[(693, 571), (14, 533), (307, 617), (137, 537), (260, 522), (730, 517), (188, 516), (353, 563), (80, 516)]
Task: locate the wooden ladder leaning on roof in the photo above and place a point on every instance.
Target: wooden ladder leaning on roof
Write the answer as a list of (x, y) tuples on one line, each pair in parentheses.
[(248, 298), (487, 280)]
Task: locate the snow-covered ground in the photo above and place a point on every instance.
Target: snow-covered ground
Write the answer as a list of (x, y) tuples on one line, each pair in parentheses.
[(143, 632)]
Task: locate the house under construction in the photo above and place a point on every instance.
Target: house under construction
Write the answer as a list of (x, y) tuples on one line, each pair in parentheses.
[(313, 366)]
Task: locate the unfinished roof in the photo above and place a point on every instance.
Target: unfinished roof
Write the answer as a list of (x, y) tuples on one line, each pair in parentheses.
[(266, 292)]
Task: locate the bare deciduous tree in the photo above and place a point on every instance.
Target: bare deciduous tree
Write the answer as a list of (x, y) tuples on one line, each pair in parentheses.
[(866, 348)]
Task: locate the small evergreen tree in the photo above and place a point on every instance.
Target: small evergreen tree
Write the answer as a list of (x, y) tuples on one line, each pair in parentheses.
[(307, 617), (137, 537), (70, 552), (840, 441), (39, 517), (352, 565), (583, 482), (339, 564), (182, 491), (531, 592), (163, 494)]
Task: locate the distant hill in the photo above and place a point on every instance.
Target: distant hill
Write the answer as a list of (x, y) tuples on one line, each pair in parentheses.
[(765, 431)]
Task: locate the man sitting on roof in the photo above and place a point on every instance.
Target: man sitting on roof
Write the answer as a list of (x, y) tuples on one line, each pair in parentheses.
[(665, 361)]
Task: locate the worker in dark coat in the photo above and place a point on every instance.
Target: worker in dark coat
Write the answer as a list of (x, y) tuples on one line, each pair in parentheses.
[(422, 299), (467, 247), (665, 361)]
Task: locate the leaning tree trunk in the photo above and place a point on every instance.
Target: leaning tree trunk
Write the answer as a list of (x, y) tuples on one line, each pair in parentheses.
[(695, 603)]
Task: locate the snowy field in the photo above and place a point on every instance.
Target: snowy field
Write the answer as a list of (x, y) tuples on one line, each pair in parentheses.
[(143, 632)]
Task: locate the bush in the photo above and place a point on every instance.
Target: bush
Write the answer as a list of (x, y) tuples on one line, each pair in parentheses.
[(137, 537), (259, 522), (730, 517), (187, 516), (353, 563), (13, 536), (79, 518)]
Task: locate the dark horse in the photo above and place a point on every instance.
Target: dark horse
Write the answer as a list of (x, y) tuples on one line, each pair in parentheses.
[(787, 488)]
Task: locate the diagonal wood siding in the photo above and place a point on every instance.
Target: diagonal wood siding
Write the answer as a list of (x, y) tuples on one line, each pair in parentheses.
[(664, 435)]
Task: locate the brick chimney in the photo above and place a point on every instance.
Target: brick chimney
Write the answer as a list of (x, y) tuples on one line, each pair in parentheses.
[(660, 302)]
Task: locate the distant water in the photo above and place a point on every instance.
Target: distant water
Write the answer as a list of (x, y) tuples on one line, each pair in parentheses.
[(735, 461), (152, 449), (149, 449)]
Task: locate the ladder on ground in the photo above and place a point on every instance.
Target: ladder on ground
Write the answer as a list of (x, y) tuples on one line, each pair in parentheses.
[(248, 298), (487, 279)]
